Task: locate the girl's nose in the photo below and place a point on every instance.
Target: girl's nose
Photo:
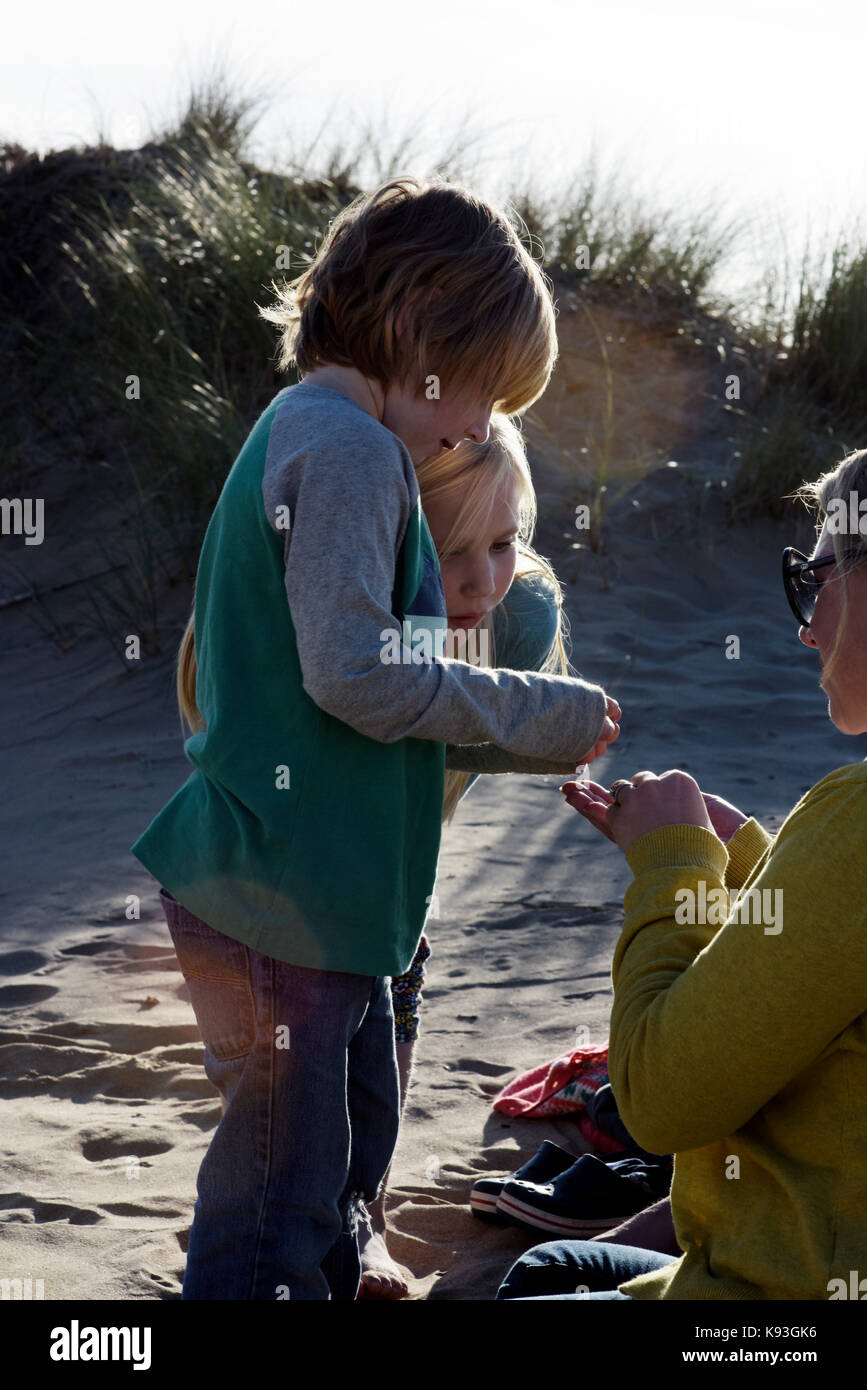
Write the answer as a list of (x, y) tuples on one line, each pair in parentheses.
[(480, 580), (807, 637)]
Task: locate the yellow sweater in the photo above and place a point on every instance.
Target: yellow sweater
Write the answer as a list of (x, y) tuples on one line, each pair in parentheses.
[(742, 1049)]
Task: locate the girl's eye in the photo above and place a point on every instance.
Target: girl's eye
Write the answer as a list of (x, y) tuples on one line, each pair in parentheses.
[(498, 545)]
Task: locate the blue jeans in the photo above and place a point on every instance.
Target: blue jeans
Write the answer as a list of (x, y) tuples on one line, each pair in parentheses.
[(305, 1060), (560, 1268)]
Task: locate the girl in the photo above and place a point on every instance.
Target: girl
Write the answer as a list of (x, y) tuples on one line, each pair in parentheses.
[(742, 1047), (480, 506)]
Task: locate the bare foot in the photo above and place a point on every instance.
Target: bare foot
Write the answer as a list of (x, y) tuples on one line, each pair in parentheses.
[(381, 1276)]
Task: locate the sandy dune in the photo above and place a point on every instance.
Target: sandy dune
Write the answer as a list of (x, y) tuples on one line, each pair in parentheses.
[(106, 1110)]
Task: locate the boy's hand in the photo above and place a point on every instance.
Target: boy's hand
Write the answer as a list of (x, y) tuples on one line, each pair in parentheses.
[(609, 732)]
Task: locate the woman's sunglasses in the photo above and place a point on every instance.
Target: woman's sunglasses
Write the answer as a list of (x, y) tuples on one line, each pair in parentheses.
[(799, 582)]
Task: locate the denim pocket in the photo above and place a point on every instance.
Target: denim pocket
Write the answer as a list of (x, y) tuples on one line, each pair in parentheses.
[(217, 971)]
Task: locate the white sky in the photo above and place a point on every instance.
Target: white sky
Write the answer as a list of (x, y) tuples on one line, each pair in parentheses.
[(758, 102)]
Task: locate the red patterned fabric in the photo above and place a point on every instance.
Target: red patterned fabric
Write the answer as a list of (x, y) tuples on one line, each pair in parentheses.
[(561, 1087)]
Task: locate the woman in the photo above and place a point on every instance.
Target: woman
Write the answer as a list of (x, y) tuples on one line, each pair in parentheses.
[(742, 1047)]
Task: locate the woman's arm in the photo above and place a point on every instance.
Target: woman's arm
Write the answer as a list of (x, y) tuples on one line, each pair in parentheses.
[(711, 1022), (745, 849)]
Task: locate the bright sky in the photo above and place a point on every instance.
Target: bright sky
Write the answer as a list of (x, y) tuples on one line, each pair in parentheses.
[(759, 103)]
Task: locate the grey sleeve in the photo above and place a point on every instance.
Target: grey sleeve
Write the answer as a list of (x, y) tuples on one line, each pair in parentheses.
[(525, 627), (350, 504)]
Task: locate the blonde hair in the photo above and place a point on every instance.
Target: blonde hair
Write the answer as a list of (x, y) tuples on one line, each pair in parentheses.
[(850, 550), (480, 471), (185, 684), (479, 311)]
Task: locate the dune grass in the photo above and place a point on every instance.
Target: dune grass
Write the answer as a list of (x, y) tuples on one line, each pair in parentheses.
[(594, 229), (813, 408), (178, 357), (129, 285)]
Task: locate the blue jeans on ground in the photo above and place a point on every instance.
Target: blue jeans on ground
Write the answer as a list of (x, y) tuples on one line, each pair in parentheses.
[(557, 1269), (305, 1060)]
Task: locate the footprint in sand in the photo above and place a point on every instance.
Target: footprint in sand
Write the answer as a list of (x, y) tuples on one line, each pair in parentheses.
[(21, 962), (143, 1209), (167, 1287), (208, 1116), (71, 1072), (478, 1067), (124, 956), (96, 1145), (21, 1207), (133, 1037), (90, 948), (17, 996)]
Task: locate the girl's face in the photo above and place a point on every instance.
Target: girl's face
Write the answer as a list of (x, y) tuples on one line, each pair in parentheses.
[(846, 686), (477, 577)]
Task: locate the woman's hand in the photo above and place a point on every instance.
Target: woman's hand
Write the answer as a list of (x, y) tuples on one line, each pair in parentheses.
[(725, 818), (609, 732), (675, 798), (593, 800)]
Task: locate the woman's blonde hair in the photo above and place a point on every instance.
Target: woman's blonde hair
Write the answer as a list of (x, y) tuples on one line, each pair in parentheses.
[(474, 308), (850, 548), (480, 471)]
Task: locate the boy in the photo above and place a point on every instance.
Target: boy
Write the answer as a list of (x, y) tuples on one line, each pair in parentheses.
[(299, 858)]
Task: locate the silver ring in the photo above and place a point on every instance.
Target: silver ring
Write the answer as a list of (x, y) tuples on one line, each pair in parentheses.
[(615, 788)]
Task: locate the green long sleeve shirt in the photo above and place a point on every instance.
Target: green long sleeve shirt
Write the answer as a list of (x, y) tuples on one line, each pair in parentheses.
[(310, 825)]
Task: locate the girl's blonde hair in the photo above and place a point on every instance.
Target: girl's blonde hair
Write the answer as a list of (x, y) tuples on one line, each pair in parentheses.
[(850, 549), (474, 308), (186, 678), (480, 471)]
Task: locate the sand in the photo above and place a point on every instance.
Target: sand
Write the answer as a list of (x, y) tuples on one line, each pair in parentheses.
[(106, 1111)]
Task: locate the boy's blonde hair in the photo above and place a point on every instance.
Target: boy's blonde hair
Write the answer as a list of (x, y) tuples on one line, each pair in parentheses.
[(850, 550), (481, 471), (474, 308)]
